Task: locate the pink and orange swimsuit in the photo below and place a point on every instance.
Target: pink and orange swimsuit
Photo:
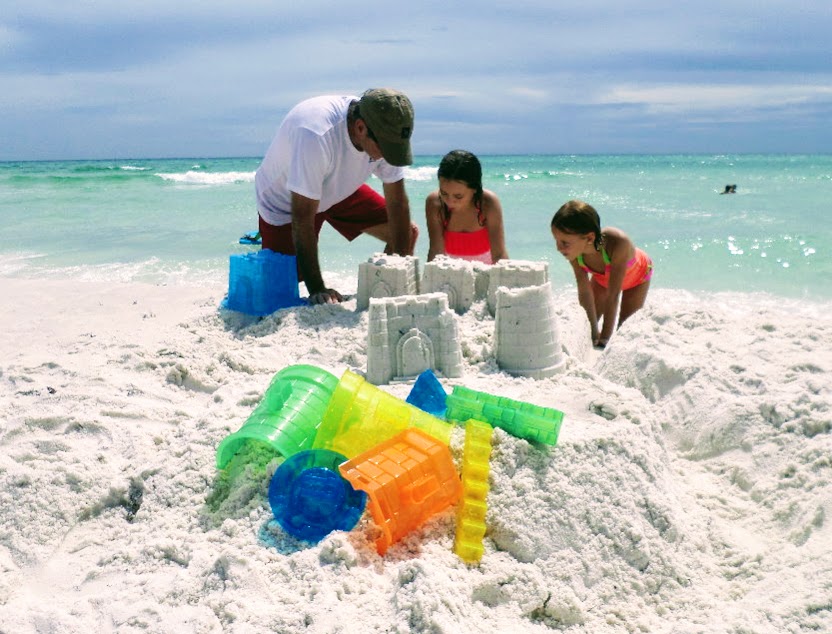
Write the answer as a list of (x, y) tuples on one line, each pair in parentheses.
[(469, 245), (639, 270)]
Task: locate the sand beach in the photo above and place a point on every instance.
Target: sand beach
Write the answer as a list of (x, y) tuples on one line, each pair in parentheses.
[(689, 490)]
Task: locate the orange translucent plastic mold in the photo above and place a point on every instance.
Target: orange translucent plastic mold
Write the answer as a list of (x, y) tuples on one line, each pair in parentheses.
[(408, 479)]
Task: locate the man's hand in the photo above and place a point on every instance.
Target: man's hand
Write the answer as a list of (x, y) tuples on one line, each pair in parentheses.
[(326, 296)]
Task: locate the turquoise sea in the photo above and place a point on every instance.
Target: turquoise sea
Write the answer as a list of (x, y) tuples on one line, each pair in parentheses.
[(178, 220)]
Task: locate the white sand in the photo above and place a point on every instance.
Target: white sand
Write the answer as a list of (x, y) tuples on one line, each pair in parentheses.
[(689, 491)]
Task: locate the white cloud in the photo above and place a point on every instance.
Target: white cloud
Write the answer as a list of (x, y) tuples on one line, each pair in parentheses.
[(104, 11), (692, 98), (528, 93), (9, 38)]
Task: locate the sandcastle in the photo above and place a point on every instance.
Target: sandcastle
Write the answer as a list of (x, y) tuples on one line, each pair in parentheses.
[(527, 341), (457, 279), (461, 280), (386, 276), (410, 334), (514, 274)]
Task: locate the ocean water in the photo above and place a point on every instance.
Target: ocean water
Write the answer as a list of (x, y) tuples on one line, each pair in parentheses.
[(178, 221)]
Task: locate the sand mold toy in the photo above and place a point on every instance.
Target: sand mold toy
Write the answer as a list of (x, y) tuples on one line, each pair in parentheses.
[(470, 519), (289, 414), (360, 416), (428, 394), (346, 437), (408, 478), (524, 420), (310, 498), (262, 282)]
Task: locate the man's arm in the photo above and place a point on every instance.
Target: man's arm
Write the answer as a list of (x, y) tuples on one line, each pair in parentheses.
[(306, 249), (398, 218)]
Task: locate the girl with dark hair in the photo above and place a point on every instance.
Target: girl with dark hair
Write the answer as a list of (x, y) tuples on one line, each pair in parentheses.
[(464, 220), (608, 267)]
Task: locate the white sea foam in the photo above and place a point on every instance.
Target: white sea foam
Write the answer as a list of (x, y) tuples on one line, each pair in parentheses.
[(564, 173), (13, 263), (150, 271), (424, 173), (208, 178)]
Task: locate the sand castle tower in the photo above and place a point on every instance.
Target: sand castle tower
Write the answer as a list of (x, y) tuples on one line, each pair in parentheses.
[(408, 335), (527, 341), (386, 276), (514, 274), (452, 276)]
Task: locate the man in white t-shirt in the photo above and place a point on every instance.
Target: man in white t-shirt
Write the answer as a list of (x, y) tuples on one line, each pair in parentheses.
[(316, 168)]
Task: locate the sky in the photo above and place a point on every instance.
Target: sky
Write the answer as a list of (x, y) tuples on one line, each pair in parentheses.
[(89, 79)]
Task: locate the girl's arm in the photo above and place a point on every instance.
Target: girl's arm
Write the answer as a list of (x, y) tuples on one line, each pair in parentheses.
[(620, 249), (586, 298), (436, 227), (493, 211)]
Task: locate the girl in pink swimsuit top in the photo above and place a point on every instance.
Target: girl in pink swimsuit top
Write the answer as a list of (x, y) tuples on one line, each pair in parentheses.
[(612, 274), (468, 245), (464, 220)]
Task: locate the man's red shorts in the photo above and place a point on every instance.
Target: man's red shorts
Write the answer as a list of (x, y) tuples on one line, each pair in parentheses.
[(350, 217)]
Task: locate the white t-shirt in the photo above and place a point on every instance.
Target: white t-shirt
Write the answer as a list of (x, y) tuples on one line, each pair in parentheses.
[(312, 155)]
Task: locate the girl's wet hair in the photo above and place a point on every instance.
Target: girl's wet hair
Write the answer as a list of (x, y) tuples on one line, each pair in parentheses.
[(462, 166), (578, 217)]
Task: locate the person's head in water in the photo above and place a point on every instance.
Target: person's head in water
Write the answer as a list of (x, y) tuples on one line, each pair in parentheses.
[(460, 180)]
